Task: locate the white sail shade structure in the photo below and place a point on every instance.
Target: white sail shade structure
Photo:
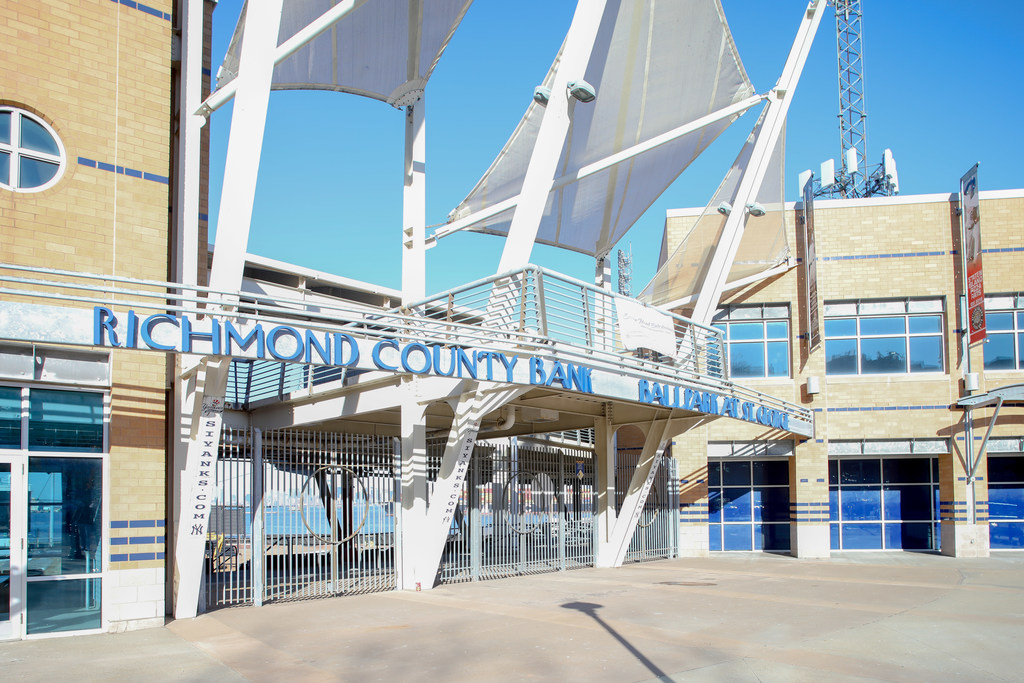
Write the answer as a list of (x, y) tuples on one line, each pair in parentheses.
[(762, 248), (382, 49), (656, 67)]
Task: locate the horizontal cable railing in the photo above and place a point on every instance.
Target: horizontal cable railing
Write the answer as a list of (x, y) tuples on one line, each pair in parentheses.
[(528, 311)]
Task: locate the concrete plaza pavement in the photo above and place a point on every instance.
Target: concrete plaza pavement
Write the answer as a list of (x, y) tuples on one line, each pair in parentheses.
[(731, 617)]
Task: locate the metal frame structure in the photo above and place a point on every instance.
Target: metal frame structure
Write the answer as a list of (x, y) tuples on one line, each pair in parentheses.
[(422, 529)]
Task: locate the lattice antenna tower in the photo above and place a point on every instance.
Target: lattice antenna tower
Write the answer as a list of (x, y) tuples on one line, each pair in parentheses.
[(624, 267), (853, 113)]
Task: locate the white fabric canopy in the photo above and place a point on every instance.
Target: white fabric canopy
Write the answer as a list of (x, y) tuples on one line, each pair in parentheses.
[(384, 49), (656, 65), (763, 245)]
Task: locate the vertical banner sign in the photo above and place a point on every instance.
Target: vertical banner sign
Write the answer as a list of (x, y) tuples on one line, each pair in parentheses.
[(970, 242), (810, 269), (195, 514)]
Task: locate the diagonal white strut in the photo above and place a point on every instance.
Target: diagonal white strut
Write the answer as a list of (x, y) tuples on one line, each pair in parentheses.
[(753, 175)]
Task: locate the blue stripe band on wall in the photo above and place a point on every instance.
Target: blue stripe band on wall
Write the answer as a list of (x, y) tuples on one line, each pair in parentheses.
[(152, 11), (123, 170)]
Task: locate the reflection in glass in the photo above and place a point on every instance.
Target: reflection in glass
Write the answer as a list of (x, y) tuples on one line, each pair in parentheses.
[(10, 417), (925, 354), (746, 359), (37, 138), (65, 421), (33, 172), (5, 168), (841, 357), (5, 541), (5, 127), (999, 352), (61, 606), (883, 356), (64, 516)]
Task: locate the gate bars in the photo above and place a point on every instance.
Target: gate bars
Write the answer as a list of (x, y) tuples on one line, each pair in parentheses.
[(303, 515)]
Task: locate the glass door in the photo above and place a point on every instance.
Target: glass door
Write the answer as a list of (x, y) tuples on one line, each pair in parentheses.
[(12, 539)]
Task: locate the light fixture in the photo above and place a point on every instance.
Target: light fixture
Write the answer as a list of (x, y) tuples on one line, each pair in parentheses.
[(582, 91), (756, 209), (725, 208), (541, 95)]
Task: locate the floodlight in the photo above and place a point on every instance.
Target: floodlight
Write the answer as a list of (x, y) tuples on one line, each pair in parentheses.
[(725, 208), (582, 91), (756, 209), (541, 95)]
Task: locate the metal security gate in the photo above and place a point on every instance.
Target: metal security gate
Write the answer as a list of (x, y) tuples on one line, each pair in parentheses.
[(657, 532), (326, 525), (523, 510)]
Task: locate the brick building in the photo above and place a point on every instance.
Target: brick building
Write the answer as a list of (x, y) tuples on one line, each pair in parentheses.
[(887, 468)]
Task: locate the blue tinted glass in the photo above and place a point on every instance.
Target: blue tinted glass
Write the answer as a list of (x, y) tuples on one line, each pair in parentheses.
[(876, 326), (1005, 468), (841, 357), (1020, 350), (772, 536), (714, 474), (906, 470), (771, 472), (5, 127), (999, 352), (736, 506), (5, 168), (999, 321), (834, 536), (861, 471), (736, 473), (833, 472), (883, 356), (33, 173), (908, 536), (65, 421), (57, 606), (65, 520), (715, 505), (861, 503), (923, 324), (771, 504), (833, 503), (10, 417), (1020, 320), (1005, 535), (736, 537), (926, 354), (908, 502), (862, 536), (714, 536), (1006, 501), (746, 360), (37, 138), (777, 330), (746, 331), (841, 327), (778, 359)]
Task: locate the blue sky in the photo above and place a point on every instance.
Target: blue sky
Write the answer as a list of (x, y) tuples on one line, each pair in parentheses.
[(942, 89)]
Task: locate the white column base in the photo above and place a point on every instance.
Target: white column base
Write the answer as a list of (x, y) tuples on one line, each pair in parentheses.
[(810, 541), (965, 540)]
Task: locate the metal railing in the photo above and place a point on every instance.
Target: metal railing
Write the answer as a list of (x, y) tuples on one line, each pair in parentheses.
[(531, 310)]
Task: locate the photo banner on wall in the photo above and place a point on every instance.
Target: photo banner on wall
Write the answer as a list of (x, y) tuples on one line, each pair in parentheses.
[(810, 267), (970, 240)]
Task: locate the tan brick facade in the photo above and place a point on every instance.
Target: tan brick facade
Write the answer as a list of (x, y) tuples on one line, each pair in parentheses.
[(878, 249), (100, 74)]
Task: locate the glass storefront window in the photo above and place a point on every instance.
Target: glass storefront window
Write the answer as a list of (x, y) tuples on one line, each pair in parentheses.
[(61, 606), (10, 417), (65, 523), (65, 421)]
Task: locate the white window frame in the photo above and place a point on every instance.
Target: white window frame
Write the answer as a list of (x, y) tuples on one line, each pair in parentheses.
[(887, 308), (16, 151)]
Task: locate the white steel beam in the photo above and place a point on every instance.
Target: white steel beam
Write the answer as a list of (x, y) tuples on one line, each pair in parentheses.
[(469, 411), (414, 205), (540, 172), (245, 144), (613, 552), (777, 107), (186, 247)]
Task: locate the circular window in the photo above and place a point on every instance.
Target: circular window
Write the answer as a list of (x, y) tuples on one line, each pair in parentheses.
[(31, 154)]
